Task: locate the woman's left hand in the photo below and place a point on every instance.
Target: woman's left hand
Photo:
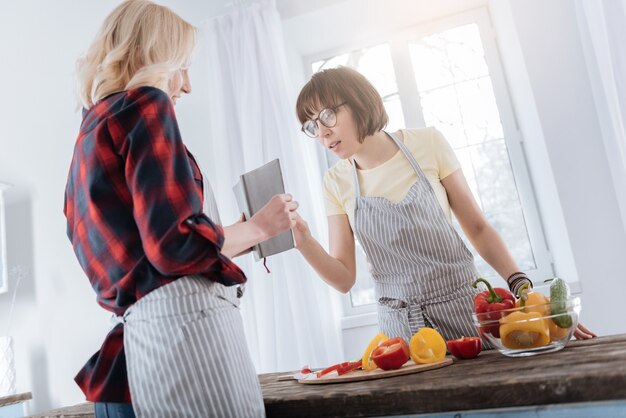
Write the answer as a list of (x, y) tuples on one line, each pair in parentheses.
[(582, 333)]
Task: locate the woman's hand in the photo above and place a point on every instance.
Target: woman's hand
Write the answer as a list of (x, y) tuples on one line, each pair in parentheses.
[(277, 216), (582, 333), (301, 232)]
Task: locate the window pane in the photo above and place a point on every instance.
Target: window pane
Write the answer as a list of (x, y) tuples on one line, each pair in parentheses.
[(330, 62), (494, 176), (465, 52), (394, 111), (477, 104), (447, 57), (498, 197), (510, 223), (441, 109), (465, 113)]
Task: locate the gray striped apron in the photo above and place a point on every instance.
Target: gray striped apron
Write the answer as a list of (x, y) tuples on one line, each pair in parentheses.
[(186, 352), (421, 268)]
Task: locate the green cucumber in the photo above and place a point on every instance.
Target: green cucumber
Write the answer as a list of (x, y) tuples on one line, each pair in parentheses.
[(559, 294)]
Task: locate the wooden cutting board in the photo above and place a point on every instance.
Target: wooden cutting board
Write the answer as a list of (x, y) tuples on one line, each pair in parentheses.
[(408, 368)]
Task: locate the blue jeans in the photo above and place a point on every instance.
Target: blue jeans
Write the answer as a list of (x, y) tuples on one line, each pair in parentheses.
[(114, 410)]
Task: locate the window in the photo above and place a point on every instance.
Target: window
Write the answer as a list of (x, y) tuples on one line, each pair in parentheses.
[(448, 75)]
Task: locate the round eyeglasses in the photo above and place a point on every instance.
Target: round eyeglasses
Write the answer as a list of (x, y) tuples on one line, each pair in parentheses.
[(327, 117)]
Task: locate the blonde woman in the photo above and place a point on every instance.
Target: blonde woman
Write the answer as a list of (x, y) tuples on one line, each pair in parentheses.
[(144, 226)]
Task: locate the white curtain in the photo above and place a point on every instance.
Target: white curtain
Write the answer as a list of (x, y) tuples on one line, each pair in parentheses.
[(603, 35), (291, 317)]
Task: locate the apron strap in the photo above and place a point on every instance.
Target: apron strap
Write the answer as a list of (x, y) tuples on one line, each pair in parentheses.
[(357, 189), (409, 156)]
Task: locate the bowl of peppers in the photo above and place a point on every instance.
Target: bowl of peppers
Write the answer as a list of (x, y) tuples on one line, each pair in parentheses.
[(530, 324)]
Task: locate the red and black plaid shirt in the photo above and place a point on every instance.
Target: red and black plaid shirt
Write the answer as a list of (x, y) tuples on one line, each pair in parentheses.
[(133, 204)]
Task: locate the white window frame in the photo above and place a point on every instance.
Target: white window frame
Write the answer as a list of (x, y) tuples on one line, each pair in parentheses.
[(398, 42)]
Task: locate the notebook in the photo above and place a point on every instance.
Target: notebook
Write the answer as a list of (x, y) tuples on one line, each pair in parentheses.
[(253, 190)]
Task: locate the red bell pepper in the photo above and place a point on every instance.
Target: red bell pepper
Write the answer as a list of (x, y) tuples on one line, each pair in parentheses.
[(391, 354), (491, 305), (465, 347)]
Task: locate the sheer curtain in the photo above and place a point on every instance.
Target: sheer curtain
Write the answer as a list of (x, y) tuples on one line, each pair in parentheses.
[(291, 317), (603, 33)]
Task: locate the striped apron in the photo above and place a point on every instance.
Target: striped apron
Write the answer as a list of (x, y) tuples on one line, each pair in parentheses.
[(186, 351), (421, 268)]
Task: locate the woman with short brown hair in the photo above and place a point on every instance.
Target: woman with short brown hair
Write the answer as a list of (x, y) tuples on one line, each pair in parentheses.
[(395, 193)]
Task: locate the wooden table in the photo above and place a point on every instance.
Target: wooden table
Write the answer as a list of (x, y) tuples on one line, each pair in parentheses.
[(585, 371), (591, 370)]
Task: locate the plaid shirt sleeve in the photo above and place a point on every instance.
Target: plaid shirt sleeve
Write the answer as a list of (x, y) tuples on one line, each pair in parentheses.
[(166, 206)]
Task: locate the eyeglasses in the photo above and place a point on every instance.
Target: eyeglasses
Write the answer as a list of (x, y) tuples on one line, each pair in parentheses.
[(327, 117)]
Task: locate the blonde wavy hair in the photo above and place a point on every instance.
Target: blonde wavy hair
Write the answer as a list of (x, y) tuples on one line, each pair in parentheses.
[(139, 44)]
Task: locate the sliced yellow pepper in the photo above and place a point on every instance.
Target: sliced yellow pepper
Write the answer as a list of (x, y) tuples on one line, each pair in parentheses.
[(524, 330), (535, 302), (556, 332), (427, 346), (367, 362)]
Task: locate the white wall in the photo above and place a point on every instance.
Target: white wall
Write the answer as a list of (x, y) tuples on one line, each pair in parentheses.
[(58, 324), (56, 319)]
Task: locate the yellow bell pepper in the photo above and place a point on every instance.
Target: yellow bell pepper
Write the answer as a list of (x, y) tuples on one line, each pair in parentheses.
[(528, 327), (535, 302), (556, 332), (427, 346), (366, 362), (524, 330)]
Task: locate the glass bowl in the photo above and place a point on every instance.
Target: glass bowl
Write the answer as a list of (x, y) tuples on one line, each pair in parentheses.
[(531, 330)]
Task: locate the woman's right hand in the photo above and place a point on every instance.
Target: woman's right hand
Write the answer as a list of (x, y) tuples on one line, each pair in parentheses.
[(301, 232), (278, 215)]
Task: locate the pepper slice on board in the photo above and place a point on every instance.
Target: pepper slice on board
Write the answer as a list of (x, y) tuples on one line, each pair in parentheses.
[(348, 367), (465, 347), (391, 354), (327, 370), (367, 363), (427, 346)]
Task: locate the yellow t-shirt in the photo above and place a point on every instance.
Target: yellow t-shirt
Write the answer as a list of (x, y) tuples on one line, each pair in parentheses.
[(393, 179)]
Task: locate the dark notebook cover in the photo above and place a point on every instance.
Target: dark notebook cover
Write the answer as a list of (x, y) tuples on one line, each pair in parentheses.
[(253, 190)]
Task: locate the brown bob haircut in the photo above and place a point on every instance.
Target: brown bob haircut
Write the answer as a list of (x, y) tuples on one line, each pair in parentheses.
[(331, 87)]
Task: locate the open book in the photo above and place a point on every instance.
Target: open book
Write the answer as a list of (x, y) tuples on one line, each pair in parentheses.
[(253, 190)]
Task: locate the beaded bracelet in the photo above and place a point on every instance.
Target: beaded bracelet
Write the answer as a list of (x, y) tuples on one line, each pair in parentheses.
[(516, 280)]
